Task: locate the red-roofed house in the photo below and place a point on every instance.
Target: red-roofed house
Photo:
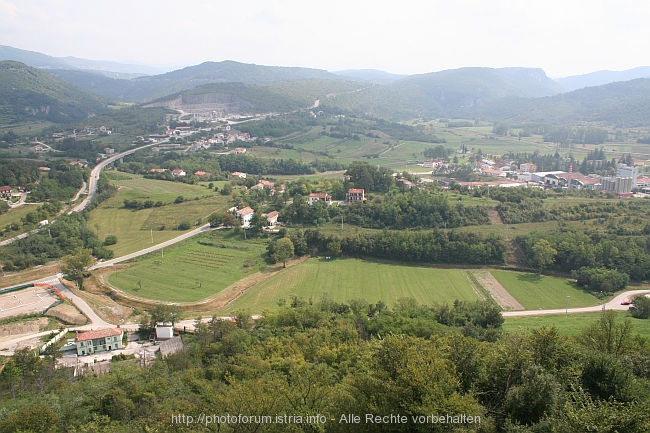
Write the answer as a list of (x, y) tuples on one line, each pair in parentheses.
[(355, 194), (6, 191), (272, 217), (239, 174), (178, 173), (100, 340), (245, 216), (318, 196), (200, 173)]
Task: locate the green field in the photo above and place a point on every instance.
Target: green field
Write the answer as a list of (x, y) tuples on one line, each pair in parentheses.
[(346, 279), (136, 228), (543, 292), (194, 269), (570, 325)]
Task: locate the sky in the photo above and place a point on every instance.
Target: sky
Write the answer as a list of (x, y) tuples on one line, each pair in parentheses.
[(563, 38)]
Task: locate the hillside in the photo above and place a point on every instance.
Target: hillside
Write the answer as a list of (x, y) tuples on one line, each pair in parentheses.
[(27, 93), (621, 104), (449, 92), (148, 88), (224, 99), (43, 61), (600, 78)]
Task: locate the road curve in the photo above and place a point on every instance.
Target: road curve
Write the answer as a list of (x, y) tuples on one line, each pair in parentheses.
[(614, 304), (111, 262), (94, 176)]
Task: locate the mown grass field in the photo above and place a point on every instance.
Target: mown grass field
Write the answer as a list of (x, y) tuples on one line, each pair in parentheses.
[(571, 325), (135, 228), (346, 279), (543, 292), (194, 269)]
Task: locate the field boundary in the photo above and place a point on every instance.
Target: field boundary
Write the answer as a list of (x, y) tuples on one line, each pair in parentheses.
[(494, 288), (217, 301)]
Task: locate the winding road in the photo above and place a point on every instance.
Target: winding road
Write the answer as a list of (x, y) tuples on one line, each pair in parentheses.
[(96, 322)]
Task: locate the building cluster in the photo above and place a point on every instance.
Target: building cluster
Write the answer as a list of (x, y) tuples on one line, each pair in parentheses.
[(223, 136), (622, 183)]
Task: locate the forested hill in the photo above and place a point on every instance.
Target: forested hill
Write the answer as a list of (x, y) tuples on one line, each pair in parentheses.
[(30, 94), (625, 104), (148, 88), (449, 92)]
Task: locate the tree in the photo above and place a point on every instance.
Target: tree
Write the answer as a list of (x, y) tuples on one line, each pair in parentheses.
[(215, 220), (75, 265), (641, 308), (162, 313), (282, 250), (543, 254), (229, 220)]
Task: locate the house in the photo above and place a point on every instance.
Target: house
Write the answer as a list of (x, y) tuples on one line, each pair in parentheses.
[(109, 150), (319, 196), (239, 174), (267, 184), (178, 173), (272, 217), (157, 170), (355, 194), (404, 183), (527, 167), (6, 191), (493, 172), (100, 340), (245, 215), (200, 173)]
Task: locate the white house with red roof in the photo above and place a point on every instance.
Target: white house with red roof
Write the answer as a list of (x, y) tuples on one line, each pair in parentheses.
[(178, 172), (319, 196), (100, 340), (272, 217), (245, 215)]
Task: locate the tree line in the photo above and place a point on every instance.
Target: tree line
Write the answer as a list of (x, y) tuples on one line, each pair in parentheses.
[(332, 358)]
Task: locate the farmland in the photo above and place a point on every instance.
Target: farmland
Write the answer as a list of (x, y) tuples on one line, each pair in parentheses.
[(572, 324), (345, 279), (192, 270), (137, 229), (543, 292)]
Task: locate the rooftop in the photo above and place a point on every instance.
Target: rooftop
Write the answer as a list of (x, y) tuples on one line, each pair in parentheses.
[(99, 333)]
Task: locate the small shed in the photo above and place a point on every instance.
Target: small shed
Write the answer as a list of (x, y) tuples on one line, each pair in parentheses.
[(164, 331)]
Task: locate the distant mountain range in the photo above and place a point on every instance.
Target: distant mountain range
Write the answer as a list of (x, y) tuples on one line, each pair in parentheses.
[(504, 94)]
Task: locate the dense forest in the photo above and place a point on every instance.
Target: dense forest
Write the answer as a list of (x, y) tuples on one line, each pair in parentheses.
[(312, 365)]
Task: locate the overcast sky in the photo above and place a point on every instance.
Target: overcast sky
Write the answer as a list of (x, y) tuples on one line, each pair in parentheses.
[(564, 38)]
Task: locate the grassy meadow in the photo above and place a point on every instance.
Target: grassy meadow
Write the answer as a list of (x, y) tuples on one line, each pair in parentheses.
[(346, 279), (136, 228), (543, 292), (194, 269), (571, 325)]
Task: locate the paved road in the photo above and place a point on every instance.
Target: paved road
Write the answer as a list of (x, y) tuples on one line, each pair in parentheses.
[(94, 176), (152, 248), (614, 304)]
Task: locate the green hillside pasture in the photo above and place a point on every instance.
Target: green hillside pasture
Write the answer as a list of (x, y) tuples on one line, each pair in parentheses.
[(341, 148), (135, 228), (346, 279), (14, 215), (191, 271), (570, 325), (135, 187), (543, 292)]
